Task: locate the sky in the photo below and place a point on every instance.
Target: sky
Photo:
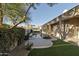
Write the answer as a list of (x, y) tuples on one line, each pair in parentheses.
[(44, 13)]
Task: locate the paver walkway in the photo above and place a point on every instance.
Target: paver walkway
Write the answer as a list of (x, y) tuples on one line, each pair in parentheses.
[(19, 51), (39, 42)]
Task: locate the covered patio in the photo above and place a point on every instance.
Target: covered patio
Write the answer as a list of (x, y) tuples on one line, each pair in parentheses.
[(65, 26)]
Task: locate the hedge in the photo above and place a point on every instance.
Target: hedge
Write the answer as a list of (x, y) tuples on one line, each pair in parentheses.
[(8, 38)]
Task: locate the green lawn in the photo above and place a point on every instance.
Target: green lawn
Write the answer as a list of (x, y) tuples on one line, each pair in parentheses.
[(59, 48)]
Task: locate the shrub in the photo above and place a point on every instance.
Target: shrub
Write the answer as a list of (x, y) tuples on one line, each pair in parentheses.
[(9, 37), (73, 43), (27, 36), (20, 34), (28, 46), (45, 36), (6, 26)]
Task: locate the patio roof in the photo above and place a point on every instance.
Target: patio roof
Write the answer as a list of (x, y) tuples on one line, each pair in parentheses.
[(67, 15)]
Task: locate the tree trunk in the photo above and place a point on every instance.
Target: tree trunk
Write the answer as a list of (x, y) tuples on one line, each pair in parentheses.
[(1, 15)]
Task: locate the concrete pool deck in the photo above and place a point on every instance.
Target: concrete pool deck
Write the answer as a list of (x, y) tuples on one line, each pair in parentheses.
[(39, 42)]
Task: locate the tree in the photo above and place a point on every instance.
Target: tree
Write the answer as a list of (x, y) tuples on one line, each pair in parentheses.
[(17, 12), (33, 6), (14, 11)]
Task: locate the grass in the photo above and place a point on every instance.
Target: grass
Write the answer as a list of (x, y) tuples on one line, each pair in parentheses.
[(60, 48)]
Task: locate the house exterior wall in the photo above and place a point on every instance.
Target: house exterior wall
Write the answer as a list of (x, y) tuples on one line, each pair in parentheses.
[(67, 26), (73, 26)]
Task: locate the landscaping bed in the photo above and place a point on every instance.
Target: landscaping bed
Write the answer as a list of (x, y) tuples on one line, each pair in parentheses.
[(45, 36), (10, 38)]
